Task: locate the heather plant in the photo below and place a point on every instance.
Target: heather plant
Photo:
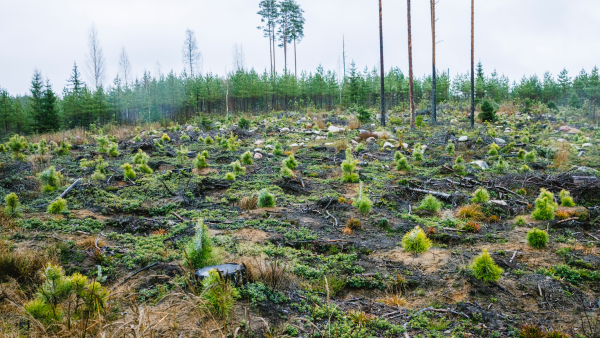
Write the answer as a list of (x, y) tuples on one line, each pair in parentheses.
[(485, 269)]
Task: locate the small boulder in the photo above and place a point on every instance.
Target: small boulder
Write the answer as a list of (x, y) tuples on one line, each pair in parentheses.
[(258, 142), (498, 202), (258, 156), (334, 129), (370, 140), (294, 145), (284, 130), (258, 150), (499, 141), (189, 128), (587, 145), (481, 164), (463, 139), (235, 272), (388, 145)]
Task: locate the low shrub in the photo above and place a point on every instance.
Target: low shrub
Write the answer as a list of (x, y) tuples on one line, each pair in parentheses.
[(266, 199), (545, 207), (184, 137), (128, 171), (230, 176), (471, 227), (57, 207), (200, 162), (403, 164), (247, 158), (565, 199), (237, 168), (11, 202), (450, 149), (362, 202), (481, 196), (348, 168), (520, 221), (199, 250), (485, 269), (537, 238), (531, 331), (50, 179), (416, 241), (430, 204), (472, 211)]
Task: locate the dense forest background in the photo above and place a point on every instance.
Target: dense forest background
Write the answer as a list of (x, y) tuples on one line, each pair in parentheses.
[(181, 96)]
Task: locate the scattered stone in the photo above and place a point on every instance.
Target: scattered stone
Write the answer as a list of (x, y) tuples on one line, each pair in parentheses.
[(321, 138), (463, 139), (405, 145), (587, 145), (284, 130), (353, 142), (259, 142), (370, 140), (334, 129), (294, 145), (258, 150), (388, 145), (328, 144), (481, 164), (258, 156), (499, 141), (561, 140), (269, 146), (189, 128), (498, 202)]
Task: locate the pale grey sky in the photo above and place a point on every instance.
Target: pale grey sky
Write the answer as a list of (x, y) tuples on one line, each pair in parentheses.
[(517, 37)]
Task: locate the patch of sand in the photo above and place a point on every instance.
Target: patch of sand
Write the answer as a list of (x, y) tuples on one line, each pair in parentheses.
[(430, 261)]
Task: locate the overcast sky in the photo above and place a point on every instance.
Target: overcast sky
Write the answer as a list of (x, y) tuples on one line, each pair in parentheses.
[(516, 37)]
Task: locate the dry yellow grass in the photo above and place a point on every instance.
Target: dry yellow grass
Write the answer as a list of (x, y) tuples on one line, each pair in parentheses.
[(90, 242), (249, 203), (471, 211), (320, 123), (353, 123), (393, 300), (562, 154)]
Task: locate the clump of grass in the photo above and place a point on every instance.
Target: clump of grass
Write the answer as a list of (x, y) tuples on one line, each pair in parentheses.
[(249, 203), (247, 158), (537, 238), (237, 168), (348, 168), (481, 196), (471, 227), (531, 331), (362, 202), (220, 295), (11, 202), (128, 171), (556, 334), (520, 221), (430, 204), (485, 269), (472, 211), (50, 179), (565, 199), (416, 241), (230, 176), (266, 199), (57, 207), (545, 207)]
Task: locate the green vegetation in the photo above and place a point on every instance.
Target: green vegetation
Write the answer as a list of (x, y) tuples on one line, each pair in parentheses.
[(11, 203), (565, 199), (485, 269), (247, 158), (416, 241), (199, 250), (545, 207), (57, 207), (363, 203), (430, 204), (50, 179), (266, 199), (481, 196), (537, 238), (348, 168)]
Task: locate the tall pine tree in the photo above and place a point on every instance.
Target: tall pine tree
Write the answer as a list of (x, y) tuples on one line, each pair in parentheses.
[(49, 120), (34, 103)]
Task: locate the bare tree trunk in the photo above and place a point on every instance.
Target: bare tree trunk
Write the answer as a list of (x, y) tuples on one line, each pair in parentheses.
[(382, 69), (295, 61), (274, 64), (472, 64), (410, 71), (270, 51), (433, 74), (285, 51)]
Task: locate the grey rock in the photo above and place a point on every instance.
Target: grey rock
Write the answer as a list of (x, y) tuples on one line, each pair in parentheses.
[(481, 164)]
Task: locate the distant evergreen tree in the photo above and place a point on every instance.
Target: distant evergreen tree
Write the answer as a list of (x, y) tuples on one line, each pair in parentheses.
[(564, 82), (5, 110), (480, 82), (574, 101), (34, 102), (48, 119)]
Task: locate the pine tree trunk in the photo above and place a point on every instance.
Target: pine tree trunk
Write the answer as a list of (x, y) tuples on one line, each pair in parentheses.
[(295, 61), (472, 64), (410, 71), (270, 51), (382, 69), (433, 74)]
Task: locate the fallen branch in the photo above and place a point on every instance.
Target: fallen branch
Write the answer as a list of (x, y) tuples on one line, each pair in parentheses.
[(330, 215), (179, 217), (68, 190), (132, 275), (567, 220)]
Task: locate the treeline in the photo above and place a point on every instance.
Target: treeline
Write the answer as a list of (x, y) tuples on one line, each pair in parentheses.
[(180, 96)]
